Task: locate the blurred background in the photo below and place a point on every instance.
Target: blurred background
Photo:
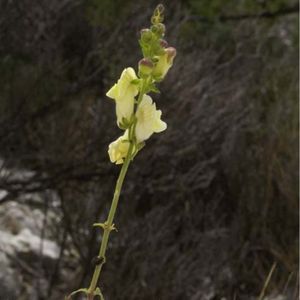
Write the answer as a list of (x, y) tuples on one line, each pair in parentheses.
[(209, 208)]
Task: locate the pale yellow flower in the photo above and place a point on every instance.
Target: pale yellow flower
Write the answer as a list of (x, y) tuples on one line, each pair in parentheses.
[(165, 62), (148, 119), (118, 149), (124, 92)]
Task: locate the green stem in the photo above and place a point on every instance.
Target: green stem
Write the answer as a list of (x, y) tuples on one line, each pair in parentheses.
[(109, 223)]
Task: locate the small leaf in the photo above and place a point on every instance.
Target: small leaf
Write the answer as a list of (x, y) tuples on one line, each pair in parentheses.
[(98, 293), (154, 89), (69, 297), (135, 81), (141, 145), (121, 126), (158, 77), (124, 124), (102, 225)]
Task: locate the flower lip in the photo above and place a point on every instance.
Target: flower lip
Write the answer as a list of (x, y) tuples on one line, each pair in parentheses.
[(171, 52), (163, 43), (146, 62), (148, 119)]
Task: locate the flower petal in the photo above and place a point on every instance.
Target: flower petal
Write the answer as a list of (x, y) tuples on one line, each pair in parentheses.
[(118, 149), (124, 92), (112, 93), (148, 119)]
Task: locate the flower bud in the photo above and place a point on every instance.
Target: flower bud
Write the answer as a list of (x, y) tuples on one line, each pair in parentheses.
[(158, 16), (163, 43), (171, 53), (158, 29), (145, 67), (146, 35), (165, 62), (160, 8)]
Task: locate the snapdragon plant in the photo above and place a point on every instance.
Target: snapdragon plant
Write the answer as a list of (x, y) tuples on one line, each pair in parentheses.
[(138, 117)]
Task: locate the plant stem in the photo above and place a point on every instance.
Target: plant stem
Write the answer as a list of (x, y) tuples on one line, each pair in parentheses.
[(109, 223)]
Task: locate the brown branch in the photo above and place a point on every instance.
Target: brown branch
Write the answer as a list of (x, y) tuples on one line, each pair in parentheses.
[(39, 182)]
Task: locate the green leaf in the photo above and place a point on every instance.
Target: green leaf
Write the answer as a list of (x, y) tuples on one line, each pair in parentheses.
[(102, 225), (135, 81), (85, 291), (124, 124), (158, 78), (154, 89), (140, 146), (98, 293)]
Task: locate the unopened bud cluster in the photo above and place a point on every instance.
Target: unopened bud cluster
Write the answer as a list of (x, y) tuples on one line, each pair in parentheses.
[(158, 57)]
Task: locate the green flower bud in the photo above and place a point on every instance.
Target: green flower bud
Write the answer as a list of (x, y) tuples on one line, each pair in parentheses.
[(158, 29), (145, 67), (160, 8), (146, 35), (158, 14)]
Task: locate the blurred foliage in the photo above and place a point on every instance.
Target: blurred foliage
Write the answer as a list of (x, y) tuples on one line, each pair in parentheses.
[(105, 12)]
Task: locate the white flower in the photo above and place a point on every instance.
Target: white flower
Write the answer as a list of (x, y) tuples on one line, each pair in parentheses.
[(148, 119), (118, 149), (124, 92)]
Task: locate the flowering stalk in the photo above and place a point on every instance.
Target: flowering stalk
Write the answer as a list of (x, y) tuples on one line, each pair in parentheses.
[(138, 118)]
